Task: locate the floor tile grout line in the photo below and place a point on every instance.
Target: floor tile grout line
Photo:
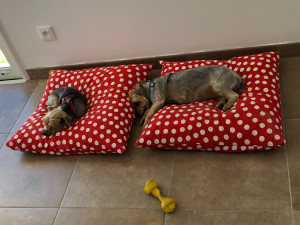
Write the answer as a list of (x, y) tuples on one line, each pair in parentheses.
[(3, 144), (33, 91), (170, 182), (288, 172), (60, 206), (182, 209), (186, 209), (283, 120), (28, 207), (235, 210), (171, 175)]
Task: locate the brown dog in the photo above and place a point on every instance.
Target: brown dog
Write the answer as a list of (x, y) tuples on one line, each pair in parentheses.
[(65, 106), (197, 84)]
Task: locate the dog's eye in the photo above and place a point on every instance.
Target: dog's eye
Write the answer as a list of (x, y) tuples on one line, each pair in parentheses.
[(61, 120), (136, 104)]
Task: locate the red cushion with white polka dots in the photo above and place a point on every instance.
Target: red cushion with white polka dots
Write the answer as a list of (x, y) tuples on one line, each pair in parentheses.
[(106, 125), (253, 123), (170, 67)]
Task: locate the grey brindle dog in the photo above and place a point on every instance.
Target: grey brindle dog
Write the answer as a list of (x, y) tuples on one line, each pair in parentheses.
[(193, 85)]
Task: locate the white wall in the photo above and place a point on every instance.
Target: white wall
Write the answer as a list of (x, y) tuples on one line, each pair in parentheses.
[(98, 30)]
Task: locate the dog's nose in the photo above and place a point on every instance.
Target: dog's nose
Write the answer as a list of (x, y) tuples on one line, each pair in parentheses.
[(45, 132), (137, 113)]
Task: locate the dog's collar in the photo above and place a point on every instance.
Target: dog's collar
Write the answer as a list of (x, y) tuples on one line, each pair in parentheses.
[(150, 87), (166, 77), (67, 100), (149, 90)]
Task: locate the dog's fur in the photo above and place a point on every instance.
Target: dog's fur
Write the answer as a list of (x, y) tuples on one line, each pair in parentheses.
[(65, 106), (197, 84)]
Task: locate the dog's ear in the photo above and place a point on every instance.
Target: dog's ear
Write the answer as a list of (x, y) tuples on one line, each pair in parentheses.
[(139, 88), (45, 119), (142, 84), (67, 119)]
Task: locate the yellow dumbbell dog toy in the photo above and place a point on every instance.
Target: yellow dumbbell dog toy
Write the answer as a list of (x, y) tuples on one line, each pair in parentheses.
[(167, 204)]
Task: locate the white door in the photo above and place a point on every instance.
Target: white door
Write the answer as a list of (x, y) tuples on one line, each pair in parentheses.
[(10, 69)]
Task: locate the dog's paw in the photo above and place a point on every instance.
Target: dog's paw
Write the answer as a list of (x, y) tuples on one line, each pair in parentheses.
[(220, 106), (145, 123), (142, 121), (144, 118), (225, 108)]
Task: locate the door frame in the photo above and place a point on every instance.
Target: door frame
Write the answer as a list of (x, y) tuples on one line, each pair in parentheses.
[(13, 61)]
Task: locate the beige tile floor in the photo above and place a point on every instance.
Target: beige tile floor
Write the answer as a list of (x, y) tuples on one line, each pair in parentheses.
[(210, 188)]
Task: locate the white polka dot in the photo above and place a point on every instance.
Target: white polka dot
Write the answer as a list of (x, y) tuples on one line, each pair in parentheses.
[(239, 135), (277, 137), (240, 122), (269, 130), (261, 138)]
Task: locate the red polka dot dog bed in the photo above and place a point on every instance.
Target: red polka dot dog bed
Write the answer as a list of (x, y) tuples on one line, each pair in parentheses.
[(253, 123), (106, 125)]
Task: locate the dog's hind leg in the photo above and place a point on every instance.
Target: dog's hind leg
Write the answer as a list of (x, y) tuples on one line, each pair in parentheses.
[(154, 109), (231, 96)]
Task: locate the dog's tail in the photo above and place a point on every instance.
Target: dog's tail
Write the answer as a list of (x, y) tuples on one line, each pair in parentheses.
[(240, 85)]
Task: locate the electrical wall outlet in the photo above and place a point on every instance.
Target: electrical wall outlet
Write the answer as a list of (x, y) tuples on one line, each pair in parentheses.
[(46, 33), (4, 72)]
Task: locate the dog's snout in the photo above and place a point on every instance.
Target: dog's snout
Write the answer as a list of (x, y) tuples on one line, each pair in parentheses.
[(138, 113), (45, 132)]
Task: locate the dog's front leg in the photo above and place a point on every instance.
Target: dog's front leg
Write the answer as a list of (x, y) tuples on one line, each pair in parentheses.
[(221, 102), (154, 109), (144, 116), (232, 98)]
